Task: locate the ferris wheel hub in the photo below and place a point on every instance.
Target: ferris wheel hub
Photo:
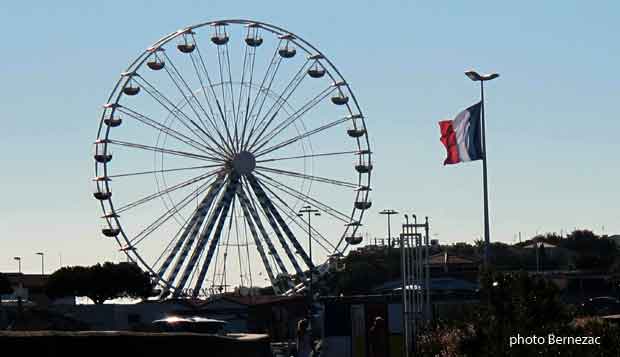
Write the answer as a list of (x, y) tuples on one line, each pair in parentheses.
[(243, 162)]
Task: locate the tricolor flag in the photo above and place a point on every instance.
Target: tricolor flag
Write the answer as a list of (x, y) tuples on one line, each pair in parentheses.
[(462, 136)]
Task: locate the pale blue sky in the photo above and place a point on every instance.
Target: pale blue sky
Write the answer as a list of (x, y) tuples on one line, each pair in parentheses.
[(552, 115)]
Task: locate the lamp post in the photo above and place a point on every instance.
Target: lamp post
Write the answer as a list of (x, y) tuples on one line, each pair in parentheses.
[(476, 77), (42, 262), (19, 263), (388, 212), (310, 211)]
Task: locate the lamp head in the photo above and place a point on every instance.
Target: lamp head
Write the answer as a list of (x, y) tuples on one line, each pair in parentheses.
[(476, 77)]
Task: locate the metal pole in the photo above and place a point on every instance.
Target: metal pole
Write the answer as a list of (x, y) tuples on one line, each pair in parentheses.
[(404, 288), (428, 275), (414, 284), (42, 262), (487, 234), (311, 268), (389, 233)]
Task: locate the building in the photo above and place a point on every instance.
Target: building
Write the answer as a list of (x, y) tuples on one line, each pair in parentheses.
[(444, 262)]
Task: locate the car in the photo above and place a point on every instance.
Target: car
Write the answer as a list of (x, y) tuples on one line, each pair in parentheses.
[(600, 306), (193, 324)]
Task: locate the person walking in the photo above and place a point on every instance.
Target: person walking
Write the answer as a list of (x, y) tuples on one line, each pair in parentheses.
[(304, 340), (378, 338)]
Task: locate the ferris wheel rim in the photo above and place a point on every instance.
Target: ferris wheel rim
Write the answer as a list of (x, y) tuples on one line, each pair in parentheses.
[(139, 62)]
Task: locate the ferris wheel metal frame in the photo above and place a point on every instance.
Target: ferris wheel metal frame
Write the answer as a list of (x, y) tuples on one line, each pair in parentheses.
[(239, 179)]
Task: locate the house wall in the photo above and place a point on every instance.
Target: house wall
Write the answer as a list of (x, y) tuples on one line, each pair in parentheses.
[(116, 317)]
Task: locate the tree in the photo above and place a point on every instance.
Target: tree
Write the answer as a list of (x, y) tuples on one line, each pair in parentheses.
[(100, 282)]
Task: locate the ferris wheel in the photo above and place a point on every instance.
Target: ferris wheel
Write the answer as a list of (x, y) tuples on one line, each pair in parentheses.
[(213, 141)]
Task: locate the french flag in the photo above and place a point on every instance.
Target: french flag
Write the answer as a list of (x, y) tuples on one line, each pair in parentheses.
[(462, 136)]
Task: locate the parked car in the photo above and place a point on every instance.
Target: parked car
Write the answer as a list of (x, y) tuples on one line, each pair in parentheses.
[(600, 306), (188, 324)]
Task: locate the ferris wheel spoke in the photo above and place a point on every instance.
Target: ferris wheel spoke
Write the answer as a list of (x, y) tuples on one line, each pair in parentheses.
[(307, 156), (164, 170), (159, 221), (150, 197), (249, 95), (305, 198), (179, 114), (217, 216), (164, 151), (257, 116), (265, 137), (224, 112), (232, 94), (301, 136), (249, 215), (264, 200), (292, 215), (202, 82), (176, 76), (209, 118), (262, 91), (282, 99), (305, 176), (186, 241), (248, 56), (222, 116), (168, 131)]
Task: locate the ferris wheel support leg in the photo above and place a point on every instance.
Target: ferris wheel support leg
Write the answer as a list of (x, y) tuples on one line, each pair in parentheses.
[(224, 201), (189, 235), (264, 202), (229, 194), (262, 196), (261, 229), (259, 246)]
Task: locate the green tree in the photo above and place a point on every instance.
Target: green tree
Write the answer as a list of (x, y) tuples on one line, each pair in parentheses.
[(100, 282)]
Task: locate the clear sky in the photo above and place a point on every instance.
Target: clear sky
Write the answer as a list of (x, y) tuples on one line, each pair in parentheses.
[(552, 116)]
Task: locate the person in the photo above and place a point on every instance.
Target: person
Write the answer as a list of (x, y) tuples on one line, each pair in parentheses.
[(378, 338), (304, 340)]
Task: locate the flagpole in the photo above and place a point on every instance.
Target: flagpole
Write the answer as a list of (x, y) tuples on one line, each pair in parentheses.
[(487, 234), (475, 76)]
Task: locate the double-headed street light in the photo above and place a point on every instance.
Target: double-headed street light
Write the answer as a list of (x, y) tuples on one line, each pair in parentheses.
[(389, 212), (310, 211)]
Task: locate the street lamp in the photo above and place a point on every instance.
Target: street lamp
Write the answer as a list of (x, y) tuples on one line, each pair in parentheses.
[(388, 213), (310, 211), (42, 262), (477, 77), (19, 263)]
